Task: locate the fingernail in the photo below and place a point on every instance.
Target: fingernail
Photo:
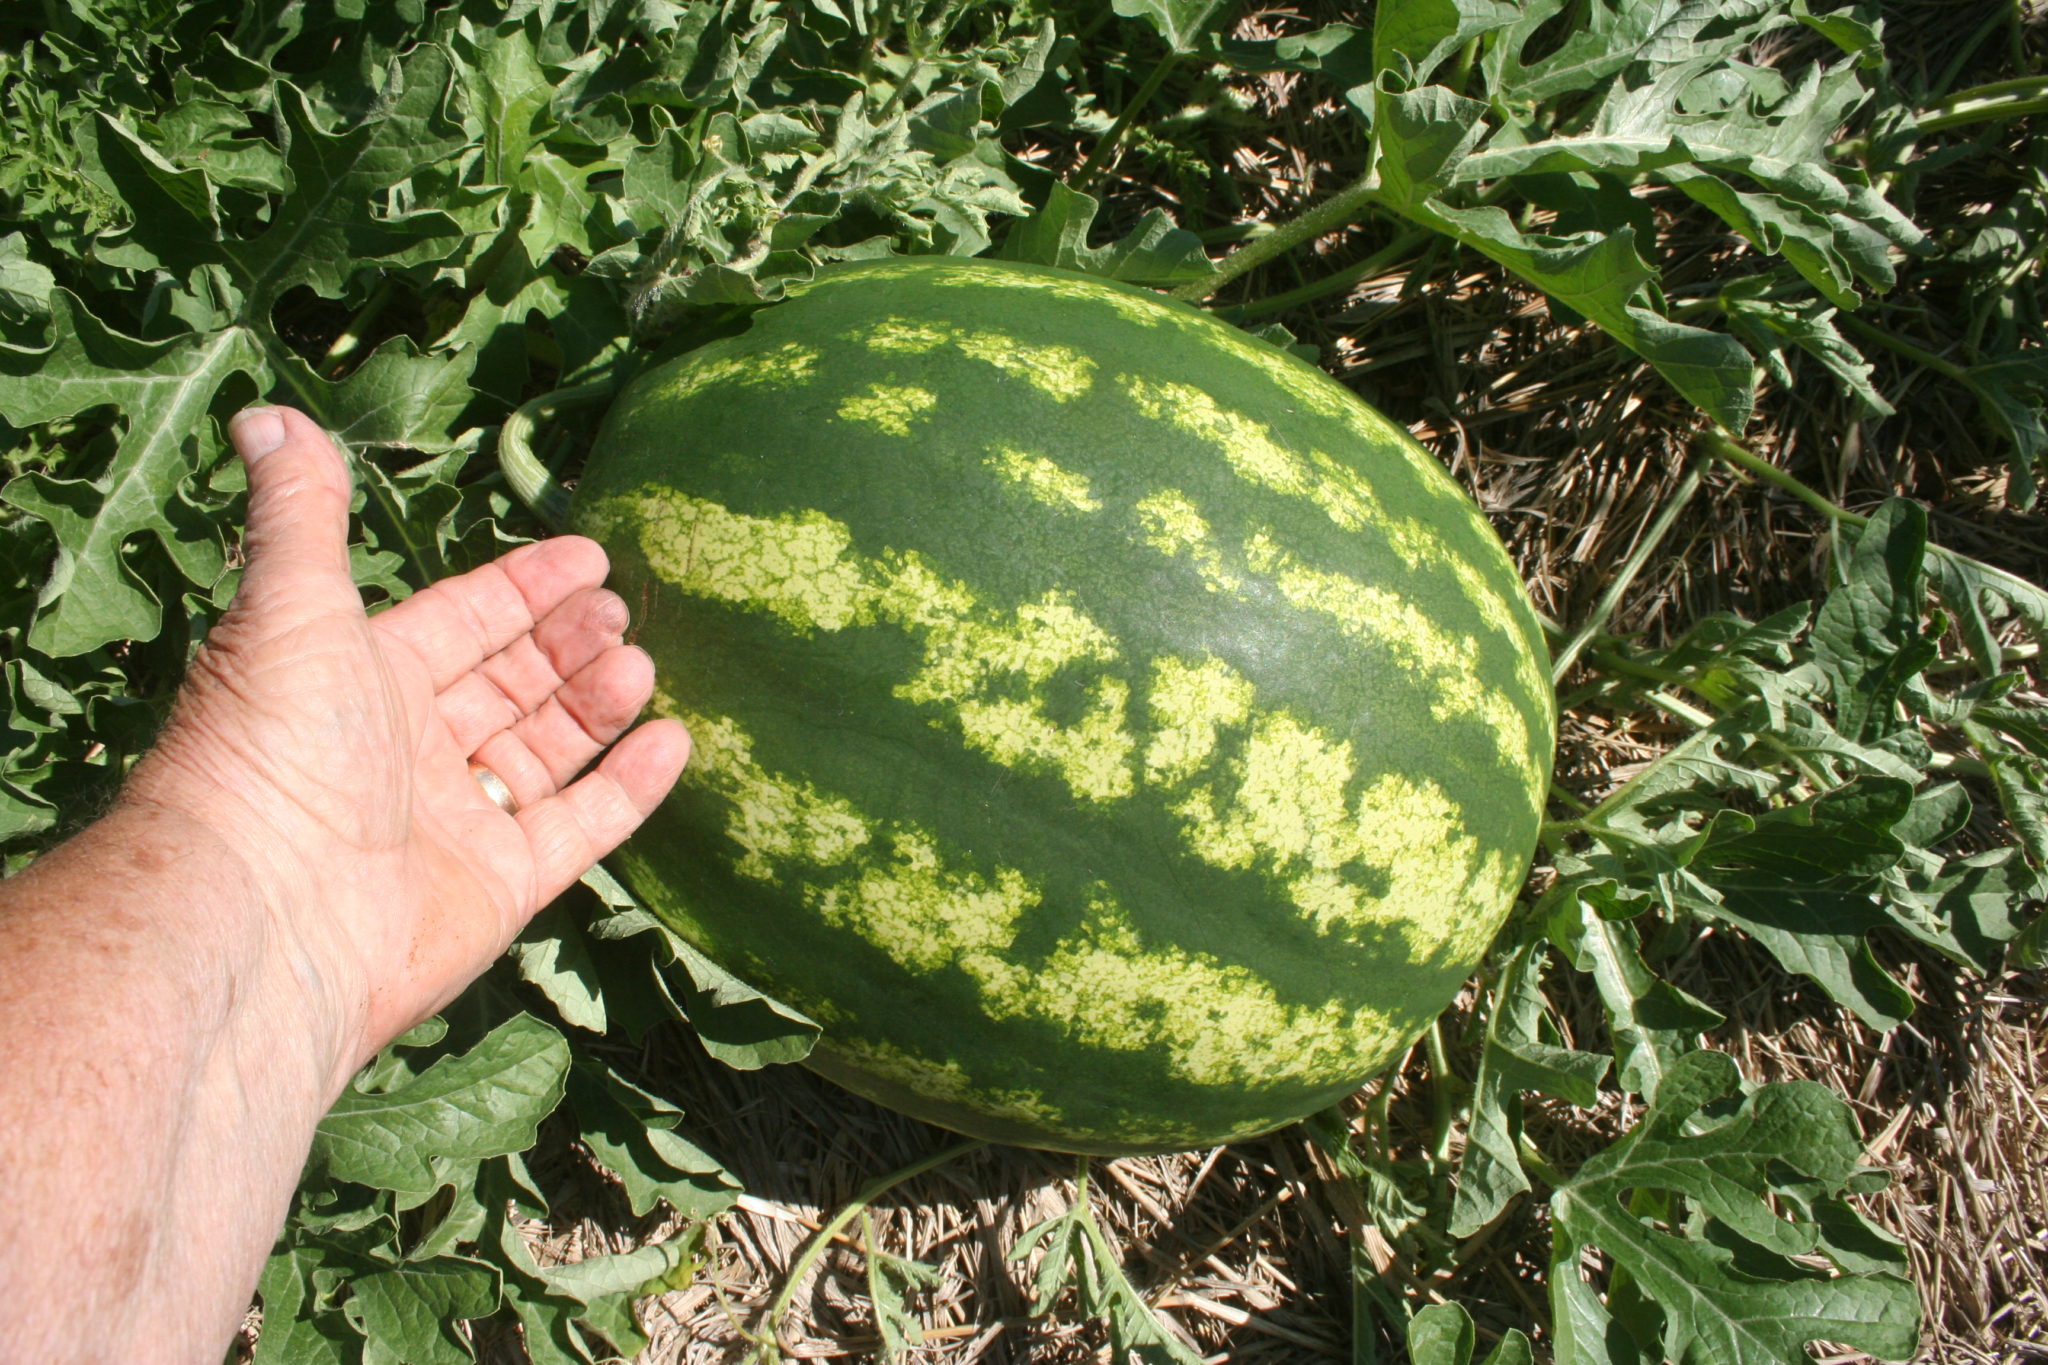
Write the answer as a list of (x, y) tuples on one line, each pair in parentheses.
[(256, 432)]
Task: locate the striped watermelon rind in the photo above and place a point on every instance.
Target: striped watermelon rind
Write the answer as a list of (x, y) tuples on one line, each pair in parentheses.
[(1117, 735)]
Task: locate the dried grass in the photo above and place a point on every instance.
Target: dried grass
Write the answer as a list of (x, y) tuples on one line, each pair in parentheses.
[(1571, 446)]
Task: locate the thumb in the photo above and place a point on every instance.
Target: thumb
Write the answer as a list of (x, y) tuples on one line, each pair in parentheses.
[(296, 539)]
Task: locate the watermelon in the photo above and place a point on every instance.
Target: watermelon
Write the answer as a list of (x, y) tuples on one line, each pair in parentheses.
[(1113, 732)]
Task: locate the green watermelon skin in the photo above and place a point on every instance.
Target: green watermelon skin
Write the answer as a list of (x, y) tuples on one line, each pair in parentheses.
[(1117, 735)]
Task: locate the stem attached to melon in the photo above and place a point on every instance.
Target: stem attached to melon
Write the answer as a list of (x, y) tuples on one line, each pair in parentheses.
[(528, 478), (771, 1325)]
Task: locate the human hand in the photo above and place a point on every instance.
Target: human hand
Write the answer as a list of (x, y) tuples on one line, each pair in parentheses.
[(330, 750)]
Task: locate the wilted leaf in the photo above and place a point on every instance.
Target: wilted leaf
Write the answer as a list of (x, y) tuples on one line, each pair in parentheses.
[(632, 1134), (1653, 1021), (891, 1279), (1075, 1256), (1515, 1059)]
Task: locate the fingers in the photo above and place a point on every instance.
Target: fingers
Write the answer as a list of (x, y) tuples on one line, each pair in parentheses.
[(459, 622), (568, 832), (519, 679), (296, 538), (541, 753)]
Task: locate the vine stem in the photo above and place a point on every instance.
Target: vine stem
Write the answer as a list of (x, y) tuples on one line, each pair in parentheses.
[(1397, 250), (1538, 1165), (1443, 1101), (528, 478), (1084, 1210), (1596, 621), (1099, 155), (1722, 446), (1339, 210), (351, 338), (771, 1332), (1898, 346), (1983, 103)]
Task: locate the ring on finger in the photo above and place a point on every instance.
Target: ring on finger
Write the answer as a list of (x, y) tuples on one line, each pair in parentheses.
[(494, 787)]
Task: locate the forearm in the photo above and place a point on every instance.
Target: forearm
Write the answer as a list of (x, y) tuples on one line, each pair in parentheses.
[(166, 1060)]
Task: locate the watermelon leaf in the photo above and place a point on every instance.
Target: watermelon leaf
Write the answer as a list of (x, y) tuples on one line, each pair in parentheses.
[(1182, 23), (1653, 1022), (736, 1023), (1598, 276), (1442, 1334), (891, 1279), (553, 956), (407, 1312), (632, 1134), (166, 391), (1667, 95), (298, 1328), (1775, 328), (1074, 1255), (645, 1269), (25, 284), (1514, 1060), (485, 1102), (1725, 1285), (1155, 252), (328, 223), (1412, 38)]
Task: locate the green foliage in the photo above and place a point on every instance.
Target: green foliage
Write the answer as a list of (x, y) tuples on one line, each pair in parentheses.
[(1817, 729), (1153, 252), (1442, 1334), (407, 1222), (1805, 812), (485, 1103), (1723, 1285), (891, 1279), (1625, 95), (1074, 1255)]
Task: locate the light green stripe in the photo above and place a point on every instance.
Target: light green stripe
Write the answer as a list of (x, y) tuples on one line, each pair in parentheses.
[(889, 408), (1059, 372), (1214, 1023), (1044, 480), (801, 569)]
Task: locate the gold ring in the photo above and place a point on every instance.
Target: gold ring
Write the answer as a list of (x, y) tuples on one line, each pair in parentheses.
[(494, 787)]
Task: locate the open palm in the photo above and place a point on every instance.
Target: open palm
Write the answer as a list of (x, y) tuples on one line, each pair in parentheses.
[(332, 750)]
